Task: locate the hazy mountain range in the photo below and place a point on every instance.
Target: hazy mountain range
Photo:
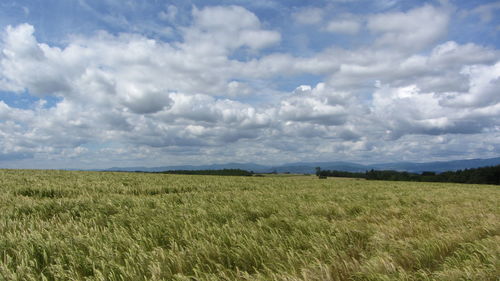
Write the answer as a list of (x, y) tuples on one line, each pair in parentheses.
[(309, 167)]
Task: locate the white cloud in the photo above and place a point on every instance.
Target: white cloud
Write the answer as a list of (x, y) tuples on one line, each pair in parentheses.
[(414, 30), (225, 18), (169, 14), (440, 71), (22, 54), (319, 105), (407, 110), (226, 29), (144, 71), (193, 96), (451, 54), (484, 85), (309, 15), (487, 11), (142, 99), (237, 89), (344, 26)]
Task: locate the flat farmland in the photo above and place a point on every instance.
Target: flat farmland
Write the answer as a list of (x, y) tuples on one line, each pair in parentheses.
[(69, 225)]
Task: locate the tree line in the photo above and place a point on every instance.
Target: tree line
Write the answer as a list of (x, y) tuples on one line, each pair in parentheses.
[(223, 172), (483, 175)]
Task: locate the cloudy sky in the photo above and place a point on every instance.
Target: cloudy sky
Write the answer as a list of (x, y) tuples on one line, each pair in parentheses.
[(101, 83)]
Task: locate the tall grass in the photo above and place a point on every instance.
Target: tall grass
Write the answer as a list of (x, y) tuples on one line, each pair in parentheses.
[(57, 225)]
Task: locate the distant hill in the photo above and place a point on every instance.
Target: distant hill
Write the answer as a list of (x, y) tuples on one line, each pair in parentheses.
[(243, 166), (438, 166), (309, 167)]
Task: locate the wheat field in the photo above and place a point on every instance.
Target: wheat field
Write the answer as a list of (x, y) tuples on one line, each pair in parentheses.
[(69, 225)]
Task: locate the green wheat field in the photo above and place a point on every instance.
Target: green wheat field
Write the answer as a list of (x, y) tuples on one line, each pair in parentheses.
[(65, 225)]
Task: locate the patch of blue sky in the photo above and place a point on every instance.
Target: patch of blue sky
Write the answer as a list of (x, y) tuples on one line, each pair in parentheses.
[(85, 17), (51, 101), (289, 83), (471, 28), (18, 100), (95, 146), (26, 101), (52, 25)]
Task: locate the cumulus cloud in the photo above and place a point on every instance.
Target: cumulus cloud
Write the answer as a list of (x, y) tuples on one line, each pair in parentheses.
[(169, 14), (23, 54), (226, 29), (193, 96), (408, 110), (141, 75), (487, 11), (439, 71), (309, 15), (413, 30), (314, 105), (484, 85), (344, 26)]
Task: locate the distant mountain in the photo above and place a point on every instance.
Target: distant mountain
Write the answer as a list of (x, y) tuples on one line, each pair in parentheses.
[(244, 166), (438, 166), (310, 167)]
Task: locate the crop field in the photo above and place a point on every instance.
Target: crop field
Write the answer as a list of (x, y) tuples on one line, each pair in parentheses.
[(62, 225)]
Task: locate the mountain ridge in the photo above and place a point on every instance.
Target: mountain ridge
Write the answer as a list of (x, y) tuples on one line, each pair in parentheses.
[(310, 167)]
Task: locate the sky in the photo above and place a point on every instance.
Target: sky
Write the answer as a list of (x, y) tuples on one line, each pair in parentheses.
[(91, 84)]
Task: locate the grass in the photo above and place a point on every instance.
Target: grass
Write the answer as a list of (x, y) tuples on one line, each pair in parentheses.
[(61, 225)]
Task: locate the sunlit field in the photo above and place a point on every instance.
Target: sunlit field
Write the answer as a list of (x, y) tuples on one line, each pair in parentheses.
[(60, 225)]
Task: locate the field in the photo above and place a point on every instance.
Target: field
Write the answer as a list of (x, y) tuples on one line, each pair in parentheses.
[(61, 225)]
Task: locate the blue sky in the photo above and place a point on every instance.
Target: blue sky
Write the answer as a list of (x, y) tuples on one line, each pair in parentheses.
[(95, 84)]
